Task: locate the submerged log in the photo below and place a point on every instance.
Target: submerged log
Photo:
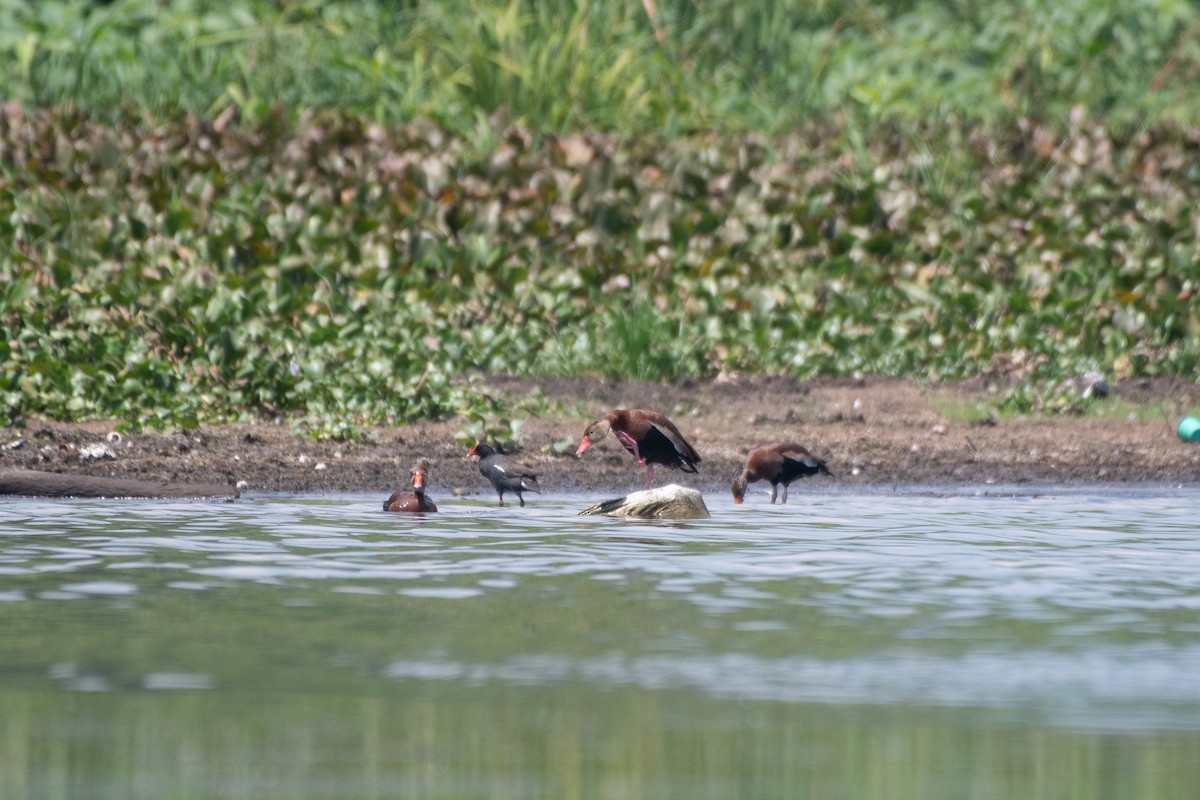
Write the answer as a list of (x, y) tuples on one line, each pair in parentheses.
[(666, 502), (32, 483)]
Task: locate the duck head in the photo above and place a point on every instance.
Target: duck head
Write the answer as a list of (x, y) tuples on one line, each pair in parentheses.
[(594, 432)]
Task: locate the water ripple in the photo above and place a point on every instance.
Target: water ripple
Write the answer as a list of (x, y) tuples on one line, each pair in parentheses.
[(1084, 602)]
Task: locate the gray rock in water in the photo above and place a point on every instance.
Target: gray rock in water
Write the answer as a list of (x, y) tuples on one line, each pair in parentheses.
[(665, 502)]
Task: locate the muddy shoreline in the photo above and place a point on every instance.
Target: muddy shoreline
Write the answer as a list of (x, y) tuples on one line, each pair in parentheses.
[(872, 433)]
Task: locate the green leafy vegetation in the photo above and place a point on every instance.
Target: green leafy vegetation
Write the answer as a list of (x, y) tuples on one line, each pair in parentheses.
[(349, 214), (728, 65)]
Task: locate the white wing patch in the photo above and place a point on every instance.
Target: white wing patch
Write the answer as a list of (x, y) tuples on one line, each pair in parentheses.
[(670, 438), (806, 460), (519, 472)]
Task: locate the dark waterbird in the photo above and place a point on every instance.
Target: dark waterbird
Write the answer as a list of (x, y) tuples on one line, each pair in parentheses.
[(414, 501), (505, 474), (779, 463), (651, 437)]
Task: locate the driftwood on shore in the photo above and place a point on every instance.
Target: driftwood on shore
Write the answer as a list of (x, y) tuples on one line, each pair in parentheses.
[(32, 483)]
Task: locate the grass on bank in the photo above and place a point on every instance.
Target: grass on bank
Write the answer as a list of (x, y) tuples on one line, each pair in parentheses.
[(729, 65)]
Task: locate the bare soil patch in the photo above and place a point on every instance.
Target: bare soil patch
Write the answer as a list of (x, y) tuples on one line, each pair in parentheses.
[(872, 432)]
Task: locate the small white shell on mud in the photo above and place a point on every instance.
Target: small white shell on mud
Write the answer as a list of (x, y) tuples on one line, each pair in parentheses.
[(96, 452)]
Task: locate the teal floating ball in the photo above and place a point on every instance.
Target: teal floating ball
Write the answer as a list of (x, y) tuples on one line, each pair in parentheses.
[(1189, 429)]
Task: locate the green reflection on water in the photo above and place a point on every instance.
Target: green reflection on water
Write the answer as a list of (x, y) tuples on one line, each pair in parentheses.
[(352, 677), (566, 741)]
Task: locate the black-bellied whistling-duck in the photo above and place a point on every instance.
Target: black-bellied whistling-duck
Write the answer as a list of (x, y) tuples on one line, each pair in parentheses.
[(414, 500), (651, 437), (504, 473), (777, 463)]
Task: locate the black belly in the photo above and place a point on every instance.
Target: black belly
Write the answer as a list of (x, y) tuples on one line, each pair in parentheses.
[(793, 470), (658, 449), (506, 483)]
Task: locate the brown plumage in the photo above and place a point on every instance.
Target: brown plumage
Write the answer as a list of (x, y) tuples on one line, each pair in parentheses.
[(414, 501), (651, 437), (778, 463)]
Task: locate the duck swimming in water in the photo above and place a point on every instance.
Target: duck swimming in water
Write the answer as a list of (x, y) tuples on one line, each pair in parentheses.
[(414, 501)]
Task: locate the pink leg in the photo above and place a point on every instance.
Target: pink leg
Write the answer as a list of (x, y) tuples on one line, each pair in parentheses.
[(649, 476), (774, 489), (631, 443), (785, 492)]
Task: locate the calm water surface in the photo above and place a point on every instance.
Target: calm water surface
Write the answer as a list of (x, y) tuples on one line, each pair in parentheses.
[(884, 645)]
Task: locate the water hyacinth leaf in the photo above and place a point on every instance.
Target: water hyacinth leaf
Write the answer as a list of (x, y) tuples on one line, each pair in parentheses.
[(277, 268)]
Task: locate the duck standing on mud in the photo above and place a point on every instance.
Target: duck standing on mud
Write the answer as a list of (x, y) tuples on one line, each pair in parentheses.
[(505, 474), (778, 463), (651, 437)]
